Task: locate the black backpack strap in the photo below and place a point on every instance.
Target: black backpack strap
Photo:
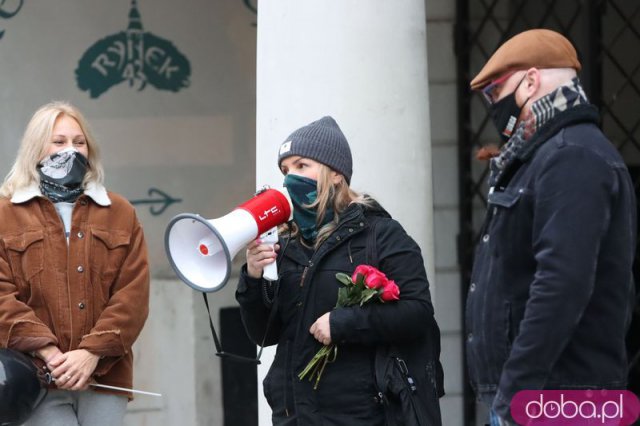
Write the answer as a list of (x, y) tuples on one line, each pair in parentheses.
[(372, 247), (382, 352)]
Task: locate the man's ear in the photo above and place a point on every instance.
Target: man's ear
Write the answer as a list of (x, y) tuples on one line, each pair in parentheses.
[(532, 81)]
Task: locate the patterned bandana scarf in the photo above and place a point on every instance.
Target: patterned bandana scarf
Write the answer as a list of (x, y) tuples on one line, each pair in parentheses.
[(61, 175), (544, 109)]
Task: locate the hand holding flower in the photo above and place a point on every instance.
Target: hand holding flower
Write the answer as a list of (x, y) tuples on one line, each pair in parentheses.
[(321, 329), (364, 285)]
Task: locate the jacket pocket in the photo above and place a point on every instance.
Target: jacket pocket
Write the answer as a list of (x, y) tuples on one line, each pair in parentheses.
[(276, 383), (26, 258), (510, 221), (107, 253), (505, 199)]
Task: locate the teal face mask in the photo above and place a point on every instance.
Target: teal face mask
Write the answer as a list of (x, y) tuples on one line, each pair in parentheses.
[(303, 192)]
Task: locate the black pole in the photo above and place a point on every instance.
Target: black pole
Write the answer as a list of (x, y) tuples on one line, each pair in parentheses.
[(465, 237), (591, 75)]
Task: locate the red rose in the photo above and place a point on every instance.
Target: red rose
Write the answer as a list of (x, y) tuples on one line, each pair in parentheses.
[(366, 284), (375, 279), (390, 291), (363, 270)]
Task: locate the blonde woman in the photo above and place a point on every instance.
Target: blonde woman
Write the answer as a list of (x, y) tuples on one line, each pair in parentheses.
[(335, 230), (74, 276)]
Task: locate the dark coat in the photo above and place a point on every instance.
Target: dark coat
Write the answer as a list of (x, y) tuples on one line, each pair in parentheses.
[(551, 289), (347, 393)]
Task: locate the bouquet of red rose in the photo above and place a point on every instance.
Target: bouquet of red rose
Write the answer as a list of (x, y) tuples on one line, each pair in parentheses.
[(365, 285)]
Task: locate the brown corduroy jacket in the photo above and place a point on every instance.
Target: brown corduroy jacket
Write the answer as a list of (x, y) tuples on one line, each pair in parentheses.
[(92, 293)]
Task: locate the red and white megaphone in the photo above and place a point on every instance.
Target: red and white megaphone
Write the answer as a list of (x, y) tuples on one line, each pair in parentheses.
[(200, 251)]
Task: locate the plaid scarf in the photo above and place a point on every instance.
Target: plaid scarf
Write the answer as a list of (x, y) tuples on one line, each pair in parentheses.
[(544, 109)]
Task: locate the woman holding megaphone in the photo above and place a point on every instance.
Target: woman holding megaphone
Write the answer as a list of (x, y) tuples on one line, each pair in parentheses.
[(381, 357), (74, 276)]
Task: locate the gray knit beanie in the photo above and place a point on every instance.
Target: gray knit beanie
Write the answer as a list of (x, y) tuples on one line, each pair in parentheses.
[(322, 141)]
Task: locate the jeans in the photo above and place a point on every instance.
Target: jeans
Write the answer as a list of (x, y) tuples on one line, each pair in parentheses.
[(498, 421), (73, 408)]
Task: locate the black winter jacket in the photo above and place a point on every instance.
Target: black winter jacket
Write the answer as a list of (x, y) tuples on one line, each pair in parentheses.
[(551, 292), (347, 393)]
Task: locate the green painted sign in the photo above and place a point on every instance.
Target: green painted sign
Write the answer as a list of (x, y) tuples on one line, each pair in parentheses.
[(251, 6), (9, 10), (158, 201), (135, 56)]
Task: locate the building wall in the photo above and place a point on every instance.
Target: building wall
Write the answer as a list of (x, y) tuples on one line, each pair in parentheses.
[(444, 139)]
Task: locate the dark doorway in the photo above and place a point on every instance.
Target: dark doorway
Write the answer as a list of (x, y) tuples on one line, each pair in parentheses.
[(239, 379)]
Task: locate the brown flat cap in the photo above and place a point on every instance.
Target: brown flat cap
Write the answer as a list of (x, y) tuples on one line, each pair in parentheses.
[(537, 48)]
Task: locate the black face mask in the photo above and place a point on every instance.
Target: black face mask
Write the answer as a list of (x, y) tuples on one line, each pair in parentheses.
[(61, 175), (505, 113)]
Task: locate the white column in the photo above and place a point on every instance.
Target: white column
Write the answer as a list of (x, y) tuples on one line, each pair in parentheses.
[(365, 64)]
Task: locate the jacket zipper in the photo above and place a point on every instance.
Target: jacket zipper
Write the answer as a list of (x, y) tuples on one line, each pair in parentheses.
[(288, 354), (286, 408), (304, 274), (286, 369)]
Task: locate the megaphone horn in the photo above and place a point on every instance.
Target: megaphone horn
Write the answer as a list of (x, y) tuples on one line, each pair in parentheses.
[(200, 251)]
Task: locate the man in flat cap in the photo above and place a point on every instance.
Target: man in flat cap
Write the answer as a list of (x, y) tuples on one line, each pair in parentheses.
[(550, 297)]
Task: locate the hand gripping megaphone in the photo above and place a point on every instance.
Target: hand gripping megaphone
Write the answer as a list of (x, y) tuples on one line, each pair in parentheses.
[(200, 251)]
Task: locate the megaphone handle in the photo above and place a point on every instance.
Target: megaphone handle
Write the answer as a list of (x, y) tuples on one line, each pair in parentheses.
[(270, 272)]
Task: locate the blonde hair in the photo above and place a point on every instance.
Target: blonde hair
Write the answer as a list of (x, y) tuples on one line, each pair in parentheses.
[(337, 196), (33, 148)]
